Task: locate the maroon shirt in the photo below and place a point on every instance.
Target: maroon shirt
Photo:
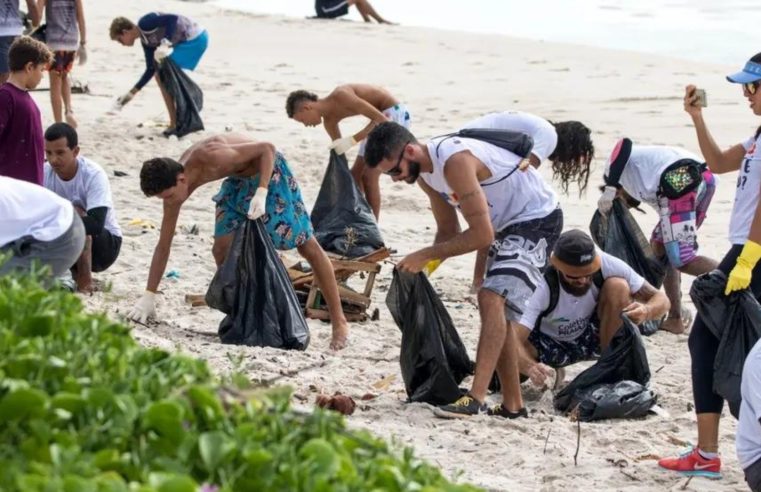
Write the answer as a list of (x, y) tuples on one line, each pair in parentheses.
[(22, 145)]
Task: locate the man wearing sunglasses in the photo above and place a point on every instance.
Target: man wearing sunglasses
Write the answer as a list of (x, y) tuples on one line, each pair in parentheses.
[(576, 308), (513, 217)]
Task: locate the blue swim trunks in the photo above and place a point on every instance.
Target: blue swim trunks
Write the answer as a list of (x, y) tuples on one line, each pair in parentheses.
[(188, 53), (286, 218)]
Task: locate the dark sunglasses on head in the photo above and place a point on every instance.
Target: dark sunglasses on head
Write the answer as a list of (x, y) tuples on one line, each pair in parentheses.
[(396, 170), (752, 87)]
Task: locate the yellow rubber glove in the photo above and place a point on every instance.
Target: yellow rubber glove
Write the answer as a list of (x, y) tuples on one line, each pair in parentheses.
[(431, 267), (739, 277)]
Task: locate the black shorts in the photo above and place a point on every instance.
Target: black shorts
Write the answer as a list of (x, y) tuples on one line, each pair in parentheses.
[(330, 9), (556, 353), (105, 250)]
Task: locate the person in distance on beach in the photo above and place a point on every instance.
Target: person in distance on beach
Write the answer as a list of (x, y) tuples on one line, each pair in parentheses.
[(332, 9)]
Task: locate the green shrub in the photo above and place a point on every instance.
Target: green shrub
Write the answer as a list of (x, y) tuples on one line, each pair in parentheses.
[(84, 408)]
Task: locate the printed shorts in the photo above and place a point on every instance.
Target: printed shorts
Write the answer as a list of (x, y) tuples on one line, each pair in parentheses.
[(558, 353), (517, 259), (286, 218), (63, 61), (680, 220), (398, 114)]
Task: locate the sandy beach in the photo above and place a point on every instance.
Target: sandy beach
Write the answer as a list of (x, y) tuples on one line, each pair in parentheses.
[(446, 79)]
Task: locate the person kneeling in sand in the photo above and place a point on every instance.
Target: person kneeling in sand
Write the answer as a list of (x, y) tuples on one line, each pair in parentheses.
[(85, 184), (374, 102), (258, 183), (332, 9), (576, 309)]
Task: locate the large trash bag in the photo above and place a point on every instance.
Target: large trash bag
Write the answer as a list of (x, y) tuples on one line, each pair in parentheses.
[(623, 360), (343, 220), (187, 96), (621, 400), (619, 235), (433, 359), (736, 321), (252, 287)]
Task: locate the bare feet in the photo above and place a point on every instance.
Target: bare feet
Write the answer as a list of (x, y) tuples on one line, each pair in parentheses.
[(340, 335), (677, 326), (70, 119)]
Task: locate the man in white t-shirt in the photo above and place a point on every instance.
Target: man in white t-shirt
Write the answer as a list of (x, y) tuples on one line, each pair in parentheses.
[(85, 184), (513, 220), (679, 187), (576, 309), (37, 225), (748, 438)]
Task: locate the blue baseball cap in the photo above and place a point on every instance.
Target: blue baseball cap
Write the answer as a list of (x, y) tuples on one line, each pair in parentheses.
[(750, 73)]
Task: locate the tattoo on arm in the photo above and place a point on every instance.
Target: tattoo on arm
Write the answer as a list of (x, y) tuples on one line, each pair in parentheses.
[(475, 214), (645, 293)]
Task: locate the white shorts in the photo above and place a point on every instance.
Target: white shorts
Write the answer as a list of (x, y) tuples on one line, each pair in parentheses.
[(398, 113)]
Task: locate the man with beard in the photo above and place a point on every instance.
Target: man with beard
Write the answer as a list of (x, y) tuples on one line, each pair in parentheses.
[(576, 309), (512, 215)]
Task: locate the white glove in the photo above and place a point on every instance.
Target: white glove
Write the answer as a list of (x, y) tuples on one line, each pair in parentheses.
[(82, 54), (258, 204), (341, 145), (164, 50), (144, 308), (605, 203), (125, 99)]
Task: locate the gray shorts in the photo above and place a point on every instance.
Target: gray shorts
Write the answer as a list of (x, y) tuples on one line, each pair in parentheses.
[(59, 254), (517, 259), (5, 46)]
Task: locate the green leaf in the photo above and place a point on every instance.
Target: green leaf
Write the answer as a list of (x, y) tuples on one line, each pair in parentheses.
[(70, 402), (165, 418), (23, 403), (169, 482), (215, 448), (37, 325), (322, 454)]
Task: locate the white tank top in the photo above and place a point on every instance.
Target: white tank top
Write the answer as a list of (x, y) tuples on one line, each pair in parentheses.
[(521, 197), (746, 196)]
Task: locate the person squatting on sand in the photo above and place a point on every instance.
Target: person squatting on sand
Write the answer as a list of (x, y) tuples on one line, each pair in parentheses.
[(591, 290), (332, 9), (161, 35), (514, 214), (257, 183), (740, 264), (679, 187), (371, 101)]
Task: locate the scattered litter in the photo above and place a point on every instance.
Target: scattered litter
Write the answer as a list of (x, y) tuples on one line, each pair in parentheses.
[(338, 402)]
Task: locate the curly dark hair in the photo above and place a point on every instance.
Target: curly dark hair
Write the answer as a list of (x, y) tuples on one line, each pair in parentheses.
[(159, 174), (572, 155), (386, 140), (295, 99)]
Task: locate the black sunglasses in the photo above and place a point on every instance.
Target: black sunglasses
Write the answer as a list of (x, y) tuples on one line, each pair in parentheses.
[(752, 87), (396, 170)]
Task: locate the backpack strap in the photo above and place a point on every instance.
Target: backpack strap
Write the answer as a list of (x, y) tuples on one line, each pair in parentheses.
[(553, 283), (618, 160)]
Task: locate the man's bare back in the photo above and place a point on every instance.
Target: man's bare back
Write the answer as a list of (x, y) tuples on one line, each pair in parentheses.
[(336, 108)]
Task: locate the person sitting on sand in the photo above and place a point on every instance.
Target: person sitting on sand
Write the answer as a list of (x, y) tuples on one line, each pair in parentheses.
[(332, 9), (85, 184), (257, 183), (161, 35), (679, 187), (371, 101), (576, 309)]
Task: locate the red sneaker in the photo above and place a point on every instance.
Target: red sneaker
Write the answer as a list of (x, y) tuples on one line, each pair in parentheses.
[(692, 463)]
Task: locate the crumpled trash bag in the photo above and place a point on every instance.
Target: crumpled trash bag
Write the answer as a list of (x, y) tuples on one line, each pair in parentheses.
[(187, 96), (252, 287), (433, 359), (342, 219), (736, 321), (619, 235), (622, 400), (624, 359)]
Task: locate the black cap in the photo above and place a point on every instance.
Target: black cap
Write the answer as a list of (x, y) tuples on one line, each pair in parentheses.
[(575, 254)]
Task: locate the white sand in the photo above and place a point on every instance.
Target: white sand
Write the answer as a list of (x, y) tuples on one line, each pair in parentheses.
[(446, 78)]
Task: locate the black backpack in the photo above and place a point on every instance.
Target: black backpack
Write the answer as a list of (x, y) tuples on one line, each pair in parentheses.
[(552, 278)]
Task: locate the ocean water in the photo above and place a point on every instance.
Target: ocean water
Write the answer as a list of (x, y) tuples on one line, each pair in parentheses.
[(705, 30)]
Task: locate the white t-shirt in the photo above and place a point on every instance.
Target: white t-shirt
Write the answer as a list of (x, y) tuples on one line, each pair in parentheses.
[(88, 189), (746, 196), (10, 20), (641, 177), (748, 438), (544, 134), (571, 315), (27, 209), (522, 196)]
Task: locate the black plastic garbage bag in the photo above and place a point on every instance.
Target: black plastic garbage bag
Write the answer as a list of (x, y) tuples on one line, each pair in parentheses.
[(187, 96), (252, 287), (619, 235), (736, 321), (623, 360), (622, 400), (433, 359), (343, 220)]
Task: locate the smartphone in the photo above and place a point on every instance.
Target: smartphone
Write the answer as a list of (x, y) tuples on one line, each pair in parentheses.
[(701, 98)]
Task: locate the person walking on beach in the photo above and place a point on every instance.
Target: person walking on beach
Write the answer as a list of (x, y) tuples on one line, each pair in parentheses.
[(161, 35), (679, 187), (740, 264), (514, 214), (332, 9), (66, 36), (12, 27), (257, 183), (371, 101)]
